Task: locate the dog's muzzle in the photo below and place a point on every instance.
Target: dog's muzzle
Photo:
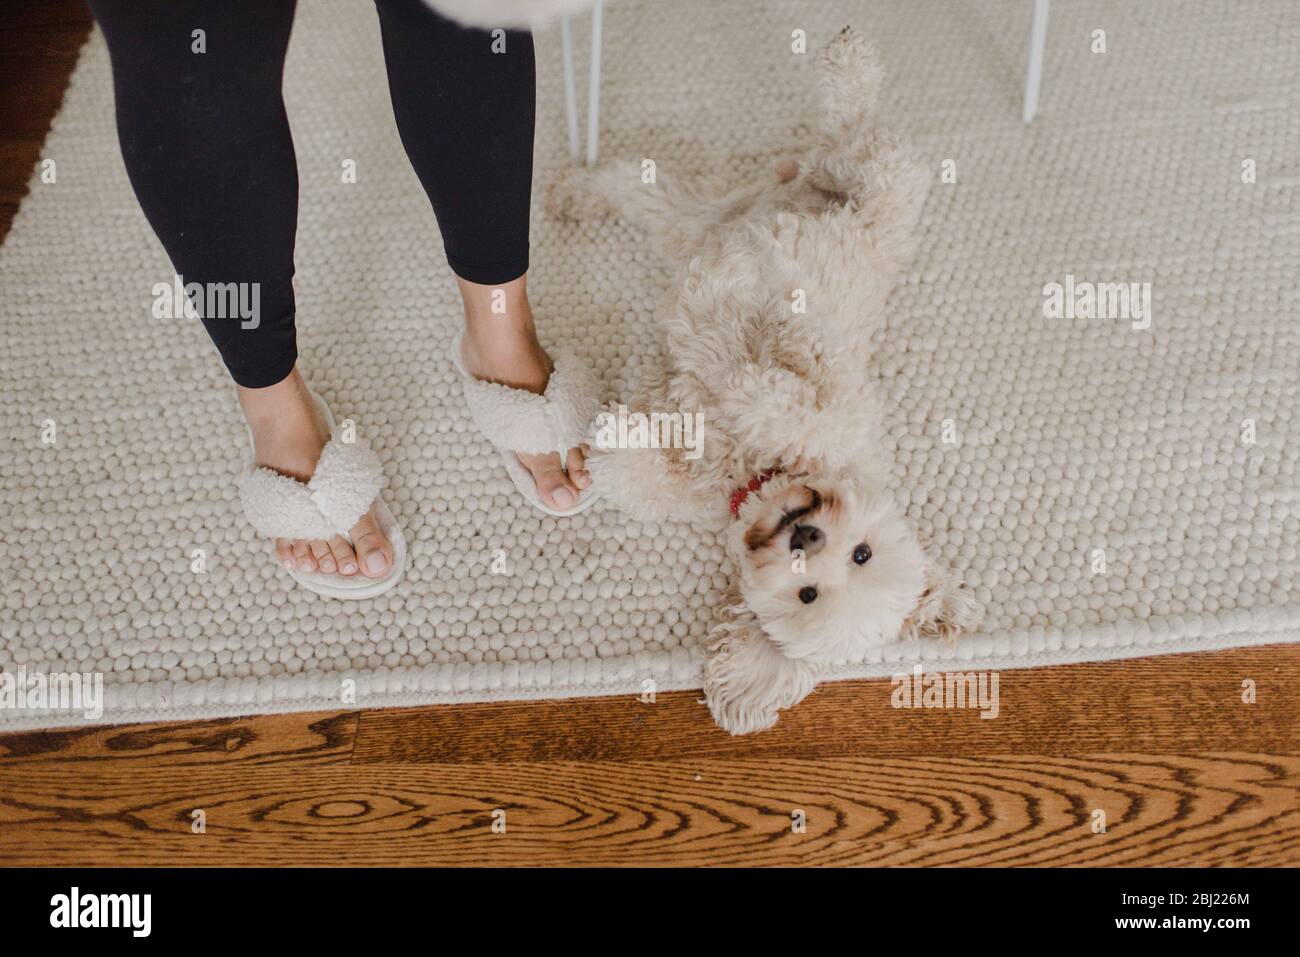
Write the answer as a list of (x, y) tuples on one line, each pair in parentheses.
[(808, 539)]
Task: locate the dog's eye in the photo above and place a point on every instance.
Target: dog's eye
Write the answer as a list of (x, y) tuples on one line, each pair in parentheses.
[(862, 554), (808, 594)]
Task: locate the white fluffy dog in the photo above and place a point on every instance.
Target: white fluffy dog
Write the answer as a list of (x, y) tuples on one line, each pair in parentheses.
[(792, 457)]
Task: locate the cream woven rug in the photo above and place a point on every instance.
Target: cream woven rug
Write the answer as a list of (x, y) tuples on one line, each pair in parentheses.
[(1109, 491)]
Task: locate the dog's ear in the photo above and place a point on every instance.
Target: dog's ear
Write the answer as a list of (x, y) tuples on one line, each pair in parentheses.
[(747, 678), (946, 609)]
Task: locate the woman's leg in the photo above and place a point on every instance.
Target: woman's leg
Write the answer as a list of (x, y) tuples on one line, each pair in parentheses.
[(464, 102), (207, 147)]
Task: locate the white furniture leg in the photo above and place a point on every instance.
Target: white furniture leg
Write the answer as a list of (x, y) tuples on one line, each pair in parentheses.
[(593, 85), (1034, 74), (570, 89)]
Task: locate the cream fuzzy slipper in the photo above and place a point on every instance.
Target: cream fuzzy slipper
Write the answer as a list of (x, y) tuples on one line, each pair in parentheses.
[(346, 482), (515, 420)]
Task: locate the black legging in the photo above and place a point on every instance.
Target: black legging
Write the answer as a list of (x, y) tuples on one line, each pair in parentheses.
[(207, 147)]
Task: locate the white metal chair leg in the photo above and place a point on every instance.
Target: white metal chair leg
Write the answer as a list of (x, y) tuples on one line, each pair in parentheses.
[(1034, 74), (593, 85), (570, 89)]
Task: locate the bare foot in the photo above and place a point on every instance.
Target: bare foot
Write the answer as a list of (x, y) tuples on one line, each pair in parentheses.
[(501, 346), (288, 436)]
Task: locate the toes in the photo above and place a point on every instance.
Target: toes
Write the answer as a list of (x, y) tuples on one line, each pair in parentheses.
[(344, 557), (553, 485), (284, 551), (374, 554), (324, 557), (302, 557), (577, 468)]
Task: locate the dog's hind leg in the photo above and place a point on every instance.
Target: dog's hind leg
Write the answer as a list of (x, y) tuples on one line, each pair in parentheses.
[(850, 76), (674, 215), (864, 165)]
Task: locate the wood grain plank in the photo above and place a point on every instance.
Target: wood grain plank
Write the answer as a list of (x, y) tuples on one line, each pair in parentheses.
[(299, 739), (1034, 810), (1143, 704)]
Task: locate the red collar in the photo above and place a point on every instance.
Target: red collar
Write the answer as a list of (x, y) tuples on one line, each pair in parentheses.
[(739, 495)]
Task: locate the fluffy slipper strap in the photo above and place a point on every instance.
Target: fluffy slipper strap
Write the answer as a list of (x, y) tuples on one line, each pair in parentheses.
[(523, 421), (348, 476)]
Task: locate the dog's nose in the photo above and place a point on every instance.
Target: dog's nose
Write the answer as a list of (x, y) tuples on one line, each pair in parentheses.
[(809, 538)]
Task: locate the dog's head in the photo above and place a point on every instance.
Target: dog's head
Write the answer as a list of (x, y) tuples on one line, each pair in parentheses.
[(825, 567)]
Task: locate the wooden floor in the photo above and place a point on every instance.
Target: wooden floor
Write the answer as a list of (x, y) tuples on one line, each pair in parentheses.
[(1184, 771), (38, 49)]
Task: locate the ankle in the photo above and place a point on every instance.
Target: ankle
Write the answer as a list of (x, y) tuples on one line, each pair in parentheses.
[(282, 412), (272, 399), (501, 311), (510, 341), (516, 361)]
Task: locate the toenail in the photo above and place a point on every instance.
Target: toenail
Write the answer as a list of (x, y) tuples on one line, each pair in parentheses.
[(349, 569), (287, 564), (582, 477), (562, 497), (375, 563)]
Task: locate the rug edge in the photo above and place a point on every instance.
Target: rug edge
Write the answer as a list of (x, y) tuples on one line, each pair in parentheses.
[(633, 686)]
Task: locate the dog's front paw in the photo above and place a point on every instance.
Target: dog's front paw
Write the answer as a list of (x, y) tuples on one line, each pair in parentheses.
[(747, 680), (948, 608)]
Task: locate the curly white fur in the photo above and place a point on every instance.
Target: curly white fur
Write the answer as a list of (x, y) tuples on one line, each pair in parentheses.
[(826, 564)]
